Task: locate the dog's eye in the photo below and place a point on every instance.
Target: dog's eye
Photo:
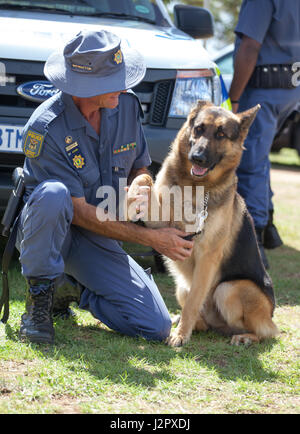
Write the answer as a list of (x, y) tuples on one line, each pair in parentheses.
[(199, 130), (220, 134)]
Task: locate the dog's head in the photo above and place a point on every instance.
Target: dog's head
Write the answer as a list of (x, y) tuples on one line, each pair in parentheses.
[(214, 138)]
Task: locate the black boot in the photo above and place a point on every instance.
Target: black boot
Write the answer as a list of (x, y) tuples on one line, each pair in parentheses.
[(271, 237), (259, 236), (36, 323), (67, 290)]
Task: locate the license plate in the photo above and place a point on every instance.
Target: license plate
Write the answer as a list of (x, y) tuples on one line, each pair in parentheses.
[(10, 138)]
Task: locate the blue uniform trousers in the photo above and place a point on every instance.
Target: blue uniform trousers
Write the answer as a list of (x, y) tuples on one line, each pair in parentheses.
[(254, 170), (117, 291)]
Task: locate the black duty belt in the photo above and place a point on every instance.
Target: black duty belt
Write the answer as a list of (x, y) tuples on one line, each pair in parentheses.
[(272, 77)]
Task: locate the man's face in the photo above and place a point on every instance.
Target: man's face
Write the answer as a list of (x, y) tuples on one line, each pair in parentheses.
[(107, 100)]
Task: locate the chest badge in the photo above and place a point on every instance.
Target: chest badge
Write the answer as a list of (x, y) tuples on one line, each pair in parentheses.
[(68, 140), (78, 161), (75, 154)]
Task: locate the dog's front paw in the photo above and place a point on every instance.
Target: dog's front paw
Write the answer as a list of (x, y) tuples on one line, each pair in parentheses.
[(136, 205), (176, 339), (246, 339)]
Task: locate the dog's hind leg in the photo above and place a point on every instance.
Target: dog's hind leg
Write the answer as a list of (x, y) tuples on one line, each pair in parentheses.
[(245, 307)]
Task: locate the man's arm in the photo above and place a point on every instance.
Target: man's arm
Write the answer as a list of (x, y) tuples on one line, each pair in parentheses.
[(167, 241), (245, 62)]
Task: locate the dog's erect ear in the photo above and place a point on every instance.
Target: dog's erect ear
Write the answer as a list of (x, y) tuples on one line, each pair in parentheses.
[(248, 116), (200, 105)]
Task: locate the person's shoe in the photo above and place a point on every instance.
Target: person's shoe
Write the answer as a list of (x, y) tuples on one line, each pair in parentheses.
[(67, 290), (271, 237), (259, 236), (36, 323)]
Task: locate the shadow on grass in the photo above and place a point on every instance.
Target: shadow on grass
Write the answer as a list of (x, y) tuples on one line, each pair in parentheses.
[(289, 167), (137, 362)]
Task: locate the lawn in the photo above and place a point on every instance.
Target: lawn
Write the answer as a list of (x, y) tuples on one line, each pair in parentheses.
[(92, 369)]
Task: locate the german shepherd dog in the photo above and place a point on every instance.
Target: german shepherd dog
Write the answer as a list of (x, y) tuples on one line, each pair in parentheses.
[(223, 285)]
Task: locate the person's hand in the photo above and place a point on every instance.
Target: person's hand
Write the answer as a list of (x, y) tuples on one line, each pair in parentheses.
[(170, 242)]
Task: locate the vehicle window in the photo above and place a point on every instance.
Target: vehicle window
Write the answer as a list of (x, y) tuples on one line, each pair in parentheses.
[(151, 11), (226, 64)]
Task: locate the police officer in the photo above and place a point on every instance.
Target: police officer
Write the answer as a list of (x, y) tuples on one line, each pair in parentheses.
[(267, 45), (87, 136)]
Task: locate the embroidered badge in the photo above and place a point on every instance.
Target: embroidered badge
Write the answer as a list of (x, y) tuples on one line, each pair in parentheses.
[(33, 144), (75, 155), (78, 161), (81, 68), (124, 148), (118, 58)]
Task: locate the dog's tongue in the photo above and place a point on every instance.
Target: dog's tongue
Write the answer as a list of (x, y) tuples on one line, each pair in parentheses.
[(197, 170)]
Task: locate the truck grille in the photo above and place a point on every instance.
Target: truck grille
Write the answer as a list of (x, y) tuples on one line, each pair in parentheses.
[(161, 102)]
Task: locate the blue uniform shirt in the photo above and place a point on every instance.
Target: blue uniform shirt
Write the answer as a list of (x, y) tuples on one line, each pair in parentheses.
[(274, 24), (60, 144)]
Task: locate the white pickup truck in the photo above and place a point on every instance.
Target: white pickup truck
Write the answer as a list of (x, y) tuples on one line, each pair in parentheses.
[(179, 69)]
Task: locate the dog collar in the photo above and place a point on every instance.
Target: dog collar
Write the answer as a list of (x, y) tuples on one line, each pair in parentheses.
[(201, 217)]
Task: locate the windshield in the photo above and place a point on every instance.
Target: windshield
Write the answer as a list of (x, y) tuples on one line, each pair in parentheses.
[(152, 11)]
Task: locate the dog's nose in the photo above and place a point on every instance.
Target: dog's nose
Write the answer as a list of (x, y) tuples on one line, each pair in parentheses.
[(199, 157)]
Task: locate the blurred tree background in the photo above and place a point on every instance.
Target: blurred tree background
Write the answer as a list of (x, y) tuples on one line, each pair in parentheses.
[(225, 14)]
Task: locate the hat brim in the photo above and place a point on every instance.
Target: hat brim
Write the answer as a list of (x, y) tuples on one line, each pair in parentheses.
[(86, 85)]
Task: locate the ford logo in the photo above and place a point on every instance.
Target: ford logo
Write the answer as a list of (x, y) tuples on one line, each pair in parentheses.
[(37, 91)]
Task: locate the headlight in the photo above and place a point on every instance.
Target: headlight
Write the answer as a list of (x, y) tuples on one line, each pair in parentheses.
[(218, 97), (189, 87)]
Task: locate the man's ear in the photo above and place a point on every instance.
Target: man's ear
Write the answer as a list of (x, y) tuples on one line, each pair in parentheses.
[(247, 117)]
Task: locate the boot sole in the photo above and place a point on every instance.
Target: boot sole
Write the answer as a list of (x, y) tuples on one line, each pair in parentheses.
[(36, 339)]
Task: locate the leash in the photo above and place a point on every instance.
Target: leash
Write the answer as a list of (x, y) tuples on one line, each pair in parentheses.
[(6, 259)]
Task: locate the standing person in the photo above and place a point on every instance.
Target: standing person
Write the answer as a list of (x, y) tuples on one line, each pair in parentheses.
[(267, 45), (88, 135)]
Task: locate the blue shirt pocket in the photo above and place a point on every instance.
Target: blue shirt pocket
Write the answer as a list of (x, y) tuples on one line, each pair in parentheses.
[(90, 179)]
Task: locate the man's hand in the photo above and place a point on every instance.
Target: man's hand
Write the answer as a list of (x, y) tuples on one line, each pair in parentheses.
[(169, 242)]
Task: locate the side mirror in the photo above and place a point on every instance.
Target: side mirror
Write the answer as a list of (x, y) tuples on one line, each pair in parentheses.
[(195, 21)]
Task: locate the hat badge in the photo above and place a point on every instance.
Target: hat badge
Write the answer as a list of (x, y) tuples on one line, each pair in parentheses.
[(118, 58)]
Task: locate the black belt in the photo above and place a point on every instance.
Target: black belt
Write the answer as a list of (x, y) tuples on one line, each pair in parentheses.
[(272, 77)]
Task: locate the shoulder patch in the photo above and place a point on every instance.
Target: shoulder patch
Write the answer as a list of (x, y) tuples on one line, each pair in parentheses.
[(33, 144)]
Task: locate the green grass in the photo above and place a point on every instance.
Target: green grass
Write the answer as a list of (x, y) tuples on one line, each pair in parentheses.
[(92, 369)]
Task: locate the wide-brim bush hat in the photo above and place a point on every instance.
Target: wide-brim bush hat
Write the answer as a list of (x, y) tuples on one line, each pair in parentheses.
[(94, 63)]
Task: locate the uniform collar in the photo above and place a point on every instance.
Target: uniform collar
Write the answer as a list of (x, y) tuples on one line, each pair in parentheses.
[(74, 118)]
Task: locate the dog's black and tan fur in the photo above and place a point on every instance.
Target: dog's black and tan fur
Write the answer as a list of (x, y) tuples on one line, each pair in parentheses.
[(223, 285)]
